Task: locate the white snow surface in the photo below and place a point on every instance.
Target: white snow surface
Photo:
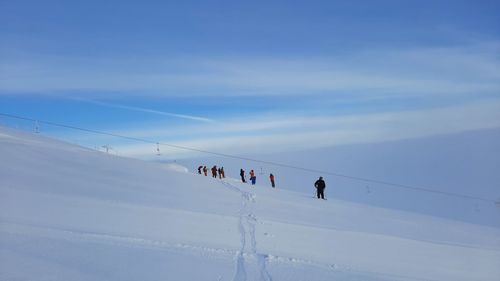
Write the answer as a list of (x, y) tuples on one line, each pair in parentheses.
[(70, 213), (465, 163)]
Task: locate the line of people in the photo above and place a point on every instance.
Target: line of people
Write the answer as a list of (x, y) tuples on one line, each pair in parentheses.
[(320, 184), (219, 172)]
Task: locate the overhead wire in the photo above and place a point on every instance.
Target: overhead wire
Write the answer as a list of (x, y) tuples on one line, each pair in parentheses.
[(362, 179)]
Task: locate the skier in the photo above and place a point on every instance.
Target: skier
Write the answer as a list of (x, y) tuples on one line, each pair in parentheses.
[(242, 174), (214, 171), (199, 169), (222, 172), (320, 188), (252, 177), (205, 170), (271, 177)]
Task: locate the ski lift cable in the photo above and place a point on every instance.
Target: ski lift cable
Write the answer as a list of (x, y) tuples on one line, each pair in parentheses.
[(362, 179)]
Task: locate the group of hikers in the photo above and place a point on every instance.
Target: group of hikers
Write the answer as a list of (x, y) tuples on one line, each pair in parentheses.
[(215, 171), (253, 178), (319, 184), (219, 172)]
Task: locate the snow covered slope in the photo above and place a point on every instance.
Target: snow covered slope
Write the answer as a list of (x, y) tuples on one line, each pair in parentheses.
[(69, 213), (465, 163)]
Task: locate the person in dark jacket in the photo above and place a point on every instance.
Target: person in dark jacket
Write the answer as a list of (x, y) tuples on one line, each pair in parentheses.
[(271, 178), (320, 188), (199, 169), (214, 171), (242, 174), (205, 170)]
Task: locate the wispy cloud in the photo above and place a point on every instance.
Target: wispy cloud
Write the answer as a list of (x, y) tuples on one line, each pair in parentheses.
[(465, 70), (302, 132), (468, 73), (140, 109)]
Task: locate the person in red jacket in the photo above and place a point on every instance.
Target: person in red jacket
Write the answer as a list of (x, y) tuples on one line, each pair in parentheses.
[(271, 177)]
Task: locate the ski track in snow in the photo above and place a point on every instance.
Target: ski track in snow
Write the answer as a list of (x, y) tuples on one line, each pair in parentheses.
[(246, 227)]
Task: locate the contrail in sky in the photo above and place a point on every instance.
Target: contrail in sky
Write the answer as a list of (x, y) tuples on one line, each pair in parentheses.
[(152, 111)]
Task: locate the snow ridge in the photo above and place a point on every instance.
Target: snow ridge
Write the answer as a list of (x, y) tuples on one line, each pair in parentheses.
[(246, 227)]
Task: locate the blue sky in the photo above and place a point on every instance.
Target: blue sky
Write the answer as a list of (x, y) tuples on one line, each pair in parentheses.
[(251, 76)]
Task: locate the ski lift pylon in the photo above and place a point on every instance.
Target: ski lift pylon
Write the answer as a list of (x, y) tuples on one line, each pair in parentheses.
[(158, 153)]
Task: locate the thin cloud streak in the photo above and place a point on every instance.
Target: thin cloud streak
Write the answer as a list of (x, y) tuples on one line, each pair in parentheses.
[(394, 73), (140, 109), (307, 133), (472, 115)]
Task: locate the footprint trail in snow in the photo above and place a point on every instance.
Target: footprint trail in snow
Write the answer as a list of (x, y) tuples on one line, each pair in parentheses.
[(248, 258)]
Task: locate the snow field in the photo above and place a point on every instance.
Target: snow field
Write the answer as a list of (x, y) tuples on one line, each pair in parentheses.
[(68, 213)]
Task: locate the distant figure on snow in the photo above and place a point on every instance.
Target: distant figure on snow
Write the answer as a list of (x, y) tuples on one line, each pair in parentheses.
[(214, 171), (252, 177), (271, 178), (320, 188), (242, 174), (222, 172), (205, 170), (199, 169)]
